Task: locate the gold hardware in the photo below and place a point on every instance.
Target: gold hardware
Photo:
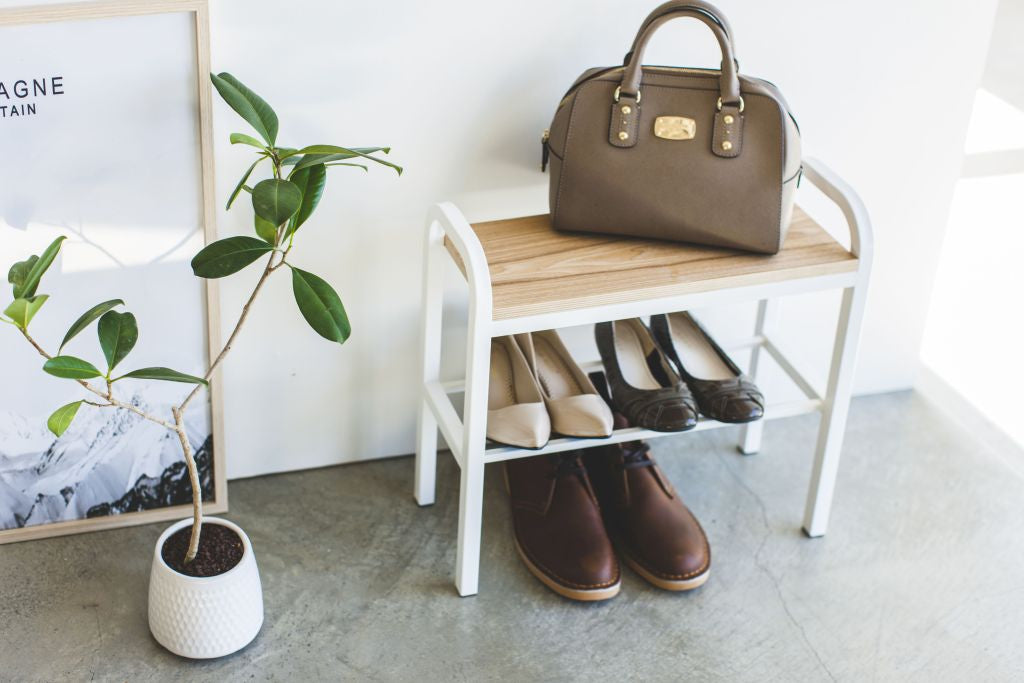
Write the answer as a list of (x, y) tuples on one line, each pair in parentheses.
[(726, 145), (627, 110), (728, 118), (546, 136), (742, 105), (618, 91), (675, 127), (623, 135)]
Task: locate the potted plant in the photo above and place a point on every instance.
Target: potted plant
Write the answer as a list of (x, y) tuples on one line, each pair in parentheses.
[(205, 598)]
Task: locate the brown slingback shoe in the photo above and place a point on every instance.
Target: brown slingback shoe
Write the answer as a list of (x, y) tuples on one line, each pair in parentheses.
[(722, 391)]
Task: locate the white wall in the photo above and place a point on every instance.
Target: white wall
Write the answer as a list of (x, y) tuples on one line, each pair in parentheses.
[(462, 91)]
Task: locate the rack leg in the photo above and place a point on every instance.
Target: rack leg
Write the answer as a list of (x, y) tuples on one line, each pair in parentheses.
[(471, 485), (430, 343), (834, 412), (750, 433)]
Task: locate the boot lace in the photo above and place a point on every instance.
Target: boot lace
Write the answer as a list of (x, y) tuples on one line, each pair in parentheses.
[(635, 454), (567, 464)]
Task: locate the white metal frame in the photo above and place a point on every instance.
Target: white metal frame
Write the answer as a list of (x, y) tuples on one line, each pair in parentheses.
[(466, 437)]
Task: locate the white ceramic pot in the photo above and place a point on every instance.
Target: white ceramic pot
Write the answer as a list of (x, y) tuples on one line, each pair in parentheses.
[(205, 617)]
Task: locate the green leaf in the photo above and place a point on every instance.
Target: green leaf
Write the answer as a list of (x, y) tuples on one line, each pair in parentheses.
[(243, 139), (228, 256), (25, 276), (19, 271), (333, 149), (321, 306), (266, 230), (313, 159), (248, 105), (276, 200), (62, 417), (310, 182), (241, 183), (69, 367), (118, 333), (21, 311), (163, 374), (362, 166), (87, 317)]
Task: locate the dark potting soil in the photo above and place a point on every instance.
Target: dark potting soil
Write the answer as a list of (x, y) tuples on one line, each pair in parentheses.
[(220, 549)]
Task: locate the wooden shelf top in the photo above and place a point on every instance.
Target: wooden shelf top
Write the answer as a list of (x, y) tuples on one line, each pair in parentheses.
[(535, 269)]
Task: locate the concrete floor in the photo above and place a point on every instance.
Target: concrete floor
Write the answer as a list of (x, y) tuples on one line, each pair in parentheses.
[(920, 578)]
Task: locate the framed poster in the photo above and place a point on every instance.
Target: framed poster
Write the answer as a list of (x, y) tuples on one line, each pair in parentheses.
[(106, 137)]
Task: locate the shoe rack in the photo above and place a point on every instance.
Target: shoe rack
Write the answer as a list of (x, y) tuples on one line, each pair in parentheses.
[(522, 276)]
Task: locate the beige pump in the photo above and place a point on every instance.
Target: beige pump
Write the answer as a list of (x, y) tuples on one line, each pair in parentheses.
[(573, 404), (516, 415)]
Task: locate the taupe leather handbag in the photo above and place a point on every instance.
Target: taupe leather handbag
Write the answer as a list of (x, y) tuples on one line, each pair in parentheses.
[(693, 155)]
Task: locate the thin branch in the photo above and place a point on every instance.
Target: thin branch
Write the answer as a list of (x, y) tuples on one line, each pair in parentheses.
[(267, 270), (109, 398)]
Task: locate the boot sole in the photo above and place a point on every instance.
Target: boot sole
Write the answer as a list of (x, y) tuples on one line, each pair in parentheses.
[(580, 594), (677, 585)]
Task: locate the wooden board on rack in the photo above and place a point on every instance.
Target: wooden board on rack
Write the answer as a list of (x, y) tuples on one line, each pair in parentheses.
[(535, 269)]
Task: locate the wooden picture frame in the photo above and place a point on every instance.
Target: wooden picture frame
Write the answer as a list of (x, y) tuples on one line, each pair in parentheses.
[(198, 13)]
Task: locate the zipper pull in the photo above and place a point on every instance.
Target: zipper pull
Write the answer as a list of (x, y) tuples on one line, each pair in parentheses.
[(800, 176), (544, 150)]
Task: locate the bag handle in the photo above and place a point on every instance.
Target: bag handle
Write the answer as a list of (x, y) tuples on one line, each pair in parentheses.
[(695, 9), (673, 6)]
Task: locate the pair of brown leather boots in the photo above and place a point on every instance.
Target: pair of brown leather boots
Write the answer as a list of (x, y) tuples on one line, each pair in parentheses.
[(572, 511)]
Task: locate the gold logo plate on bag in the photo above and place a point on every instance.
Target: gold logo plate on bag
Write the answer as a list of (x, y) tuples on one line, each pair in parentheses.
[(675, 127)]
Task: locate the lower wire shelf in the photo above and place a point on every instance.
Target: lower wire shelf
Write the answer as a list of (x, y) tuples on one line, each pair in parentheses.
[(498, 453)]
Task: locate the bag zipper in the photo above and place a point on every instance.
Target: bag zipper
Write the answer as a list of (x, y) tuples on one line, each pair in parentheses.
[(611, 69), (544, 150)]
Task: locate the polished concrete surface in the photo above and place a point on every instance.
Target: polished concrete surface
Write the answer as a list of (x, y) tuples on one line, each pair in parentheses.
[(921, 576)]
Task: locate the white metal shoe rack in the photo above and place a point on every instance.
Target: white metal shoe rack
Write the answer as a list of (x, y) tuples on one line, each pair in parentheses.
[(449, 235)]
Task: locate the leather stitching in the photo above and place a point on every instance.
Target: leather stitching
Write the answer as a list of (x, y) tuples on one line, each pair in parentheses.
[(662, 575), (689, 575), (632, 126), (562, 580), (718, 135), (563, 175), (782, 174)]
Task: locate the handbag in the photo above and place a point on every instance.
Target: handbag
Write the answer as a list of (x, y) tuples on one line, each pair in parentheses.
[(691, 155)]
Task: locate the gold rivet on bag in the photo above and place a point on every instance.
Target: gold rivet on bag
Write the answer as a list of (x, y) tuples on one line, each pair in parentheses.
[(728, 118), (627, 110), (726, 145), (623, 135)]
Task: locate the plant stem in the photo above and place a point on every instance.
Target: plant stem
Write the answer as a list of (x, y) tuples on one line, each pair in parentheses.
[(179, 428), (197, 491), (270, 268)]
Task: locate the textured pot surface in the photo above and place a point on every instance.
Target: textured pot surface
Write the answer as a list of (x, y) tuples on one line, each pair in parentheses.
[(205, 617)]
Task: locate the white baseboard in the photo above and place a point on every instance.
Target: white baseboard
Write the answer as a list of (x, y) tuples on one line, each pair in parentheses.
[(964, 413)]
